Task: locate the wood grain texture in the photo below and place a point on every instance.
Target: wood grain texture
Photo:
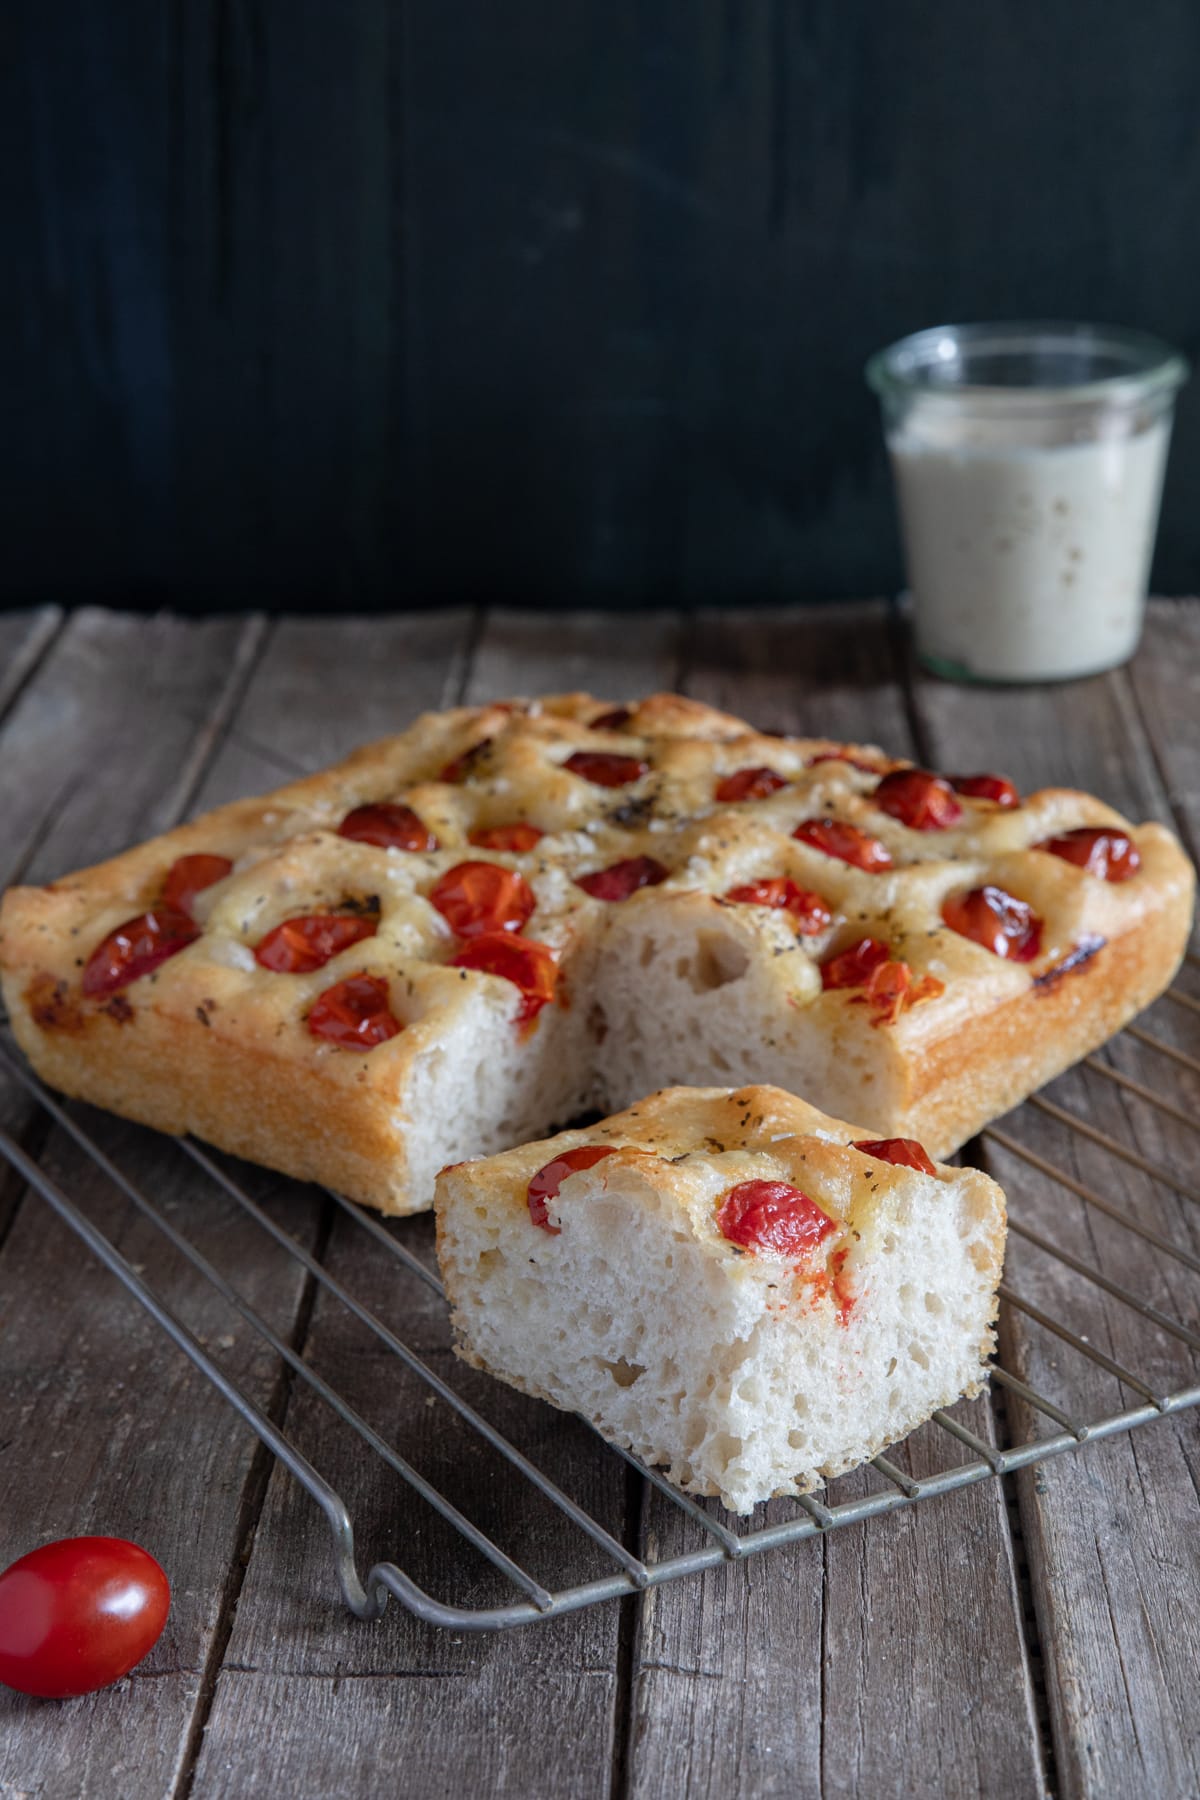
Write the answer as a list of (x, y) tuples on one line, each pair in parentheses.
[(220, 726), (104, 1426), (284, 277), (367, 303), (1112, 1556), (887, 1660), (24, 639), (76, 781), (1166, 683), (618, 658), (531, 1713)]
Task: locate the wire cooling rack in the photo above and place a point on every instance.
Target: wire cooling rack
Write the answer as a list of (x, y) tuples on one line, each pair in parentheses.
[(717, 1540)]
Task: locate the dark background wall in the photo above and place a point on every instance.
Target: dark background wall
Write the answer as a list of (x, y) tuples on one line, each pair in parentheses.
[(390, 301)]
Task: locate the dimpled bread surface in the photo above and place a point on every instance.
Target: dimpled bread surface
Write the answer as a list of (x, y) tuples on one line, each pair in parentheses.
[(742, 1373), (673, 984)]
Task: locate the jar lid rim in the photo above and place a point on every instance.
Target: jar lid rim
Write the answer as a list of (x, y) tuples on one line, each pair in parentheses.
[(931, 363)]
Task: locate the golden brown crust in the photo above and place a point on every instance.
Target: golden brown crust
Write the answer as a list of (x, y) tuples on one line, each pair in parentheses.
[(213, 1044), (757, 1132)]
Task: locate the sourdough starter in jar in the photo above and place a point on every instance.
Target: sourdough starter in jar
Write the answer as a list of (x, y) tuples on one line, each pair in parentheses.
[(1028, 458), (1028, 559)]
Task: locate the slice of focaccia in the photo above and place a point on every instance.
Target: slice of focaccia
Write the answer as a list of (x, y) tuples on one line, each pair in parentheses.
[(728, 1283), (459, 937)]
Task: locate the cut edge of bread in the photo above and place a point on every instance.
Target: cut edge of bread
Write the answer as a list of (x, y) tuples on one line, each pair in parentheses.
[(740, 1376)]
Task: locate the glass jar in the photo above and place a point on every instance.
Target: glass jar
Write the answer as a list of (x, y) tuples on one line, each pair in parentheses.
[(1028, 461)]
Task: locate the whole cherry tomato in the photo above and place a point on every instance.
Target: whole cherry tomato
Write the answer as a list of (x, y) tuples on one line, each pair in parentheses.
[(77, 1614)]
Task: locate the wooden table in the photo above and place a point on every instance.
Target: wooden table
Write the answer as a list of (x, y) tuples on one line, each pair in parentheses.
[(1032, 1635)]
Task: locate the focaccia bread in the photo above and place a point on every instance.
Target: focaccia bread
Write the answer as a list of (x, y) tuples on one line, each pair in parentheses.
[(459, 937), (728, 1283)]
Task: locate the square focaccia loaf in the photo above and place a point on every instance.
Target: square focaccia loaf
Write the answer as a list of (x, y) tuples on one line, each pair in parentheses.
[(729, 1283), (459, 937)]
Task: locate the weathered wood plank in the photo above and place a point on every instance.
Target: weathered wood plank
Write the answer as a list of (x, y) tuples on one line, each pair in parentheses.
[(887, 1659), (613, 658), (104, 1427), (24, 639), (1165, 678), (1110, 1531), (108, 1429), (523, 1714), (290, 384), (204, 1472), (76, 781), (327, 685)]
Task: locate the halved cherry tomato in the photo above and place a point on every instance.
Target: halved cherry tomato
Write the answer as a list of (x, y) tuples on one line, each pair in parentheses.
[(477, 898), (308, 942), (846, 842), (809, 911), (855, 966), (78, 1614), (516, 838), (1107, 854), (355, 1013), (906, 1153), (544, 1186), (462, 765), (621, 879), (772, 1215), (996, 788), (530, 966), (137, 948), (389, 825), (855, 762), (1003, 924), (749, 784), (189, 876), (920, 800), (605, 768), (887, 983), (616, 720)]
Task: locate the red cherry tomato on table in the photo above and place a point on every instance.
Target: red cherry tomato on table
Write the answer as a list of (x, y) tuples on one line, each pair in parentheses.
[(137, 948), (516, 838), (850, 845), (389, 826), (78, 1614), (479, 898), (808, 910), (922, 801), (749, 784), (1099, 850), (189, 876), (906, 1153), (544, 1186), (354, 1014), (530, 966), (996, 788), (772, 1215), (621, 879), (605, 768), (300, 945), (998, 921)]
